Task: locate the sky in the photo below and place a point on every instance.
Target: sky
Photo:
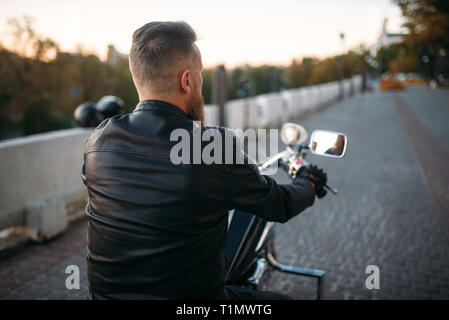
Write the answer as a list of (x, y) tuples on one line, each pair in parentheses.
[(232, 32)]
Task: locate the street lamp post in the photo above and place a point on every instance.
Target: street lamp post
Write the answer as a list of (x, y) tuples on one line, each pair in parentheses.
[(362, 69), (219, 93), (342, 39)]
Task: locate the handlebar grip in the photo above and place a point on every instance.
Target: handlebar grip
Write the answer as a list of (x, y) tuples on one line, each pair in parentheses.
[(321, 193)]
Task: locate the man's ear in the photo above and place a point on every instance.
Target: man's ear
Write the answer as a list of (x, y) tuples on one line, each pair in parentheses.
[(186, 81)]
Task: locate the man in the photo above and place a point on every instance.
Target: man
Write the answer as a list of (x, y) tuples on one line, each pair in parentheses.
[(156, 229)]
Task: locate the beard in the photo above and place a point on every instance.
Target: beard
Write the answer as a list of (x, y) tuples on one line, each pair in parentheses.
[(196, 109)]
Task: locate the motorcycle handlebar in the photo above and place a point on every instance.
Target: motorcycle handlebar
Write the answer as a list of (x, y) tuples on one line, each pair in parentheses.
[(284, 166)]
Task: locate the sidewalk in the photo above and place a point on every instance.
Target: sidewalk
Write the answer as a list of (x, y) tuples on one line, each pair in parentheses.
[(37, 271)]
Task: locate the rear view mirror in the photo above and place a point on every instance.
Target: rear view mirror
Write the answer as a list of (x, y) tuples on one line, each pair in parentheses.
[(328, 143)]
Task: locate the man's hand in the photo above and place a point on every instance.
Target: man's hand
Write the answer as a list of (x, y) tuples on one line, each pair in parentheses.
[(317, 176)]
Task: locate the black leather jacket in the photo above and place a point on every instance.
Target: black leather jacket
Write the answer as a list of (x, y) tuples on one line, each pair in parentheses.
[(156, 230)]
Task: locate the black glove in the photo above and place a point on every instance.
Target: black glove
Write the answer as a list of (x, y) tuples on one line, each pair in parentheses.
[(317, 176), (321, 193)]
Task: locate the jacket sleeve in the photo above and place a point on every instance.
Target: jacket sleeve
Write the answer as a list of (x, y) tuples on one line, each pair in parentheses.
[(241, 186)]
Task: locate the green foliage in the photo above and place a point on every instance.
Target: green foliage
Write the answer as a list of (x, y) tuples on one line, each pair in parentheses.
[(300, 73), (427, 22), (384, 56), (313, 71), (122, 84), (40, 86), (41, 116), (236, 81), (208, 78)]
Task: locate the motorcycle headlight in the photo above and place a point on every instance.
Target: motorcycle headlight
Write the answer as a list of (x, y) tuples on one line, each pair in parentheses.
[(292, 134)]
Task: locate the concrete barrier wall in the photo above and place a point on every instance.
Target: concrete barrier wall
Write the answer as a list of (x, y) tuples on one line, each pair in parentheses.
[(211, 114), (273, 109), (40, 174), (235, 113)]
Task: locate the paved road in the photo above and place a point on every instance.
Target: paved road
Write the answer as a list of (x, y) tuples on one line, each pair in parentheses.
[(385, 214), (388, 213)]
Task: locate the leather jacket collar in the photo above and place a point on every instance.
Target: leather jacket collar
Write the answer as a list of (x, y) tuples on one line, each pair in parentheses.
[(158, 105)]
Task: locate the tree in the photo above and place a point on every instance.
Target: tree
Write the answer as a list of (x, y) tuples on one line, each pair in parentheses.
[(208, 80), (40, 86), (428, 25), (299, 73)]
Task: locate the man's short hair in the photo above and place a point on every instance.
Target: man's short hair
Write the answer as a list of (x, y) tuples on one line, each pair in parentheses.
[(158, 51)]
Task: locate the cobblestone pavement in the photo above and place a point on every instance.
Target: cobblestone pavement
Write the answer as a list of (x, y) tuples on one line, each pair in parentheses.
[(37, 271), (384, 215)]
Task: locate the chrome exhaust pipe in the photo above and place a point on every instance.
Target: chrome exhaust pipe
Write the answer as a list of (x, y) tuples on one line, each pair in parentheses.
[(254, 280)]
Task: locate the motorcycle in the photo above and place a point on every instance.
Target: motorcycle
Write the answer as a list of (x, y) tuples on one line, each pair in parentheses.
[(250, 244)]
